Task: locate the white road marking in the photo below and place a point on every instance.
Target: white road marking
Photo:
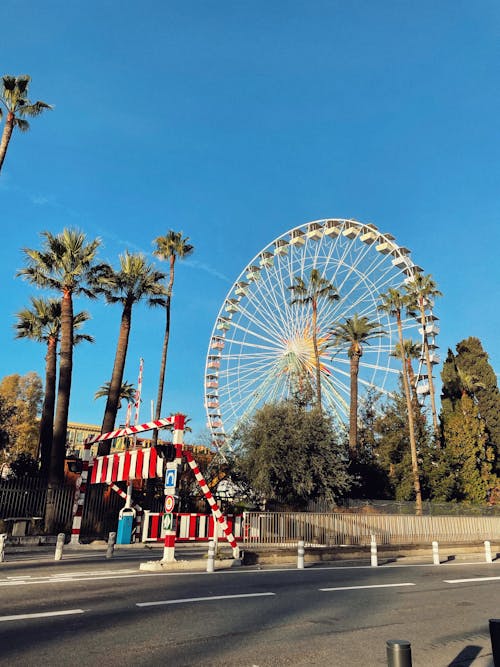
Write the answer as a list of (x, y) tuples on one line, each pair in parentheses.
[(213, 597), (466, 581), (47, 614), (355, 588)]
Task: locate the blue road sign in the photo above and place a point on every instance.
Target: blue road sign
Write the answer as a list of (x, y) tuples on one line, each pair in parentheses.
[(170, 478)]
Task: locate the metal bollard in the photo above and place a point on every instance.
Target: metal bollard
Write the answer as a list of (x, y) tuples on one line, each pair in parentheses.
[(435, 553), (300, 555), (495, 640), (59, 546), (111, 545), (398, 653), (211, 556), (487, 551), (373, 552), (3, 539)]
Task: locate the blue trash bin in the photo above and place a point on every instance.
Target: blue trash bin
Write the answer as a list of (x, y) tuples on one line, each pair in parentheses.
[(125, 525)]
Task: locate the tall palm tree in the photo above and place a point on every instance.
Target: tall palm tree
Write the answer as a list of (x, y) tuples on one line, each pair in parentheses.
[(42, 323), (412, 351), (65, 264), (355, 331), (135, 280), (127, 392), (14, 98), (394, 303), (421, 291), (310, 292), (168, 248)]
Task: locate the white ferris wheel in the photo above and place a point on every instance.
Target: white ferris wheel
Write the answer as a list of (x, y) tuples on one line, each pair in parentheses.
[(259, 338)]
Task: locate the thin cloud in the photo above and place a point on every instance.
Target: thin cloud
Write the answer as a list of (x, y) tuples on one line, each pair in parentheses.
[(201, 266)]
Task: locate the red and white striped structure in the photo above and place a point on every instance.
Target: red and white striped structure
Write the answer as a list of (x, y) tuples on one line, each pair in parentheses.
[(213, 505), (177, 441), (191, 527), (137, 403), (131, 430), (80, 491), (140, 463)]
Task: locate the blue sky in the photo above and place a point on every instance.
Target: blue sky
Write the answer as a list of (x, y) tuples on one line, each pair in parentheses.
[(234, 122)]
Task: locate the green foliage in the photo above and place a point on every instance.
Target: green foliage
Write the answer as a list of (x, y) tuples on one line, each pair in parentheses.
[(468, 457), (392, 448), (293, 455), (24, 466)]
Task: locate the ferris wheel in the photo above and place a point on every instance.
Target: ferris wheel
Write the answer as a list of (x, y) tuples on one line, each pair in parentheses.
[(261, 342)]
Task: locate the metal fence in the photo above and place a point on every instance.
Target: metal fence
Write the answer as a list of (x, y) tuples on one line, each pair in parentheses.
[(335, 529), (27, 498)]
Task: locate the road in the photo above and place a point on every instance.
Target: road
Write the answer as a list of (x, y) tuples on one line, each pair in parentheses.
[(82, 612)]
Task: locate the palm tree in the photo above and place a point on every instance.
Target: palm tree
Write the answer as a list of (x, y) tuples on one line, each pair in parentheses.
[(66, 264), (127, 392), (168, 249), (134, 281), (42, 323), (311, 292), (394, 303), (421, 291), (412, 350), (355, 332), (14, 97)]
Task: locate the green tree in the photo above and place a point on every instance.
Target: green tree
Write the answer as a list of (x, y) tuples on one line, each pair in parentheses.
[(422, 291), (65, 264), (394, 303), (14, 99), (469, 457), (310, 292), (354, 332), (169, 248), (472, 359), (292, 455), (393, 451), (135, 281), (127, 392), (42, 323)]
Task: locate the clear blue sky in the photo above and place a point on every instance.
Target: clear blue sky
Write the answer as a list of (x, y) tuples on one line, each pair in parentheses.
[(234, 122)]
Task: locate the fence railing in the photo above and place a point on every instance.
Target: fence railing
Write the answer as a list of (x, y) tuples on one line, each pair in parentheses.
[(335, 529), (27, 498)]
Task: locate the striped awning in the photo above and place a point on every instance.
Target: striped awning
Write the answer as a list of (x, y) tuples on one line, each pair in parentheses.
[(140, 463)]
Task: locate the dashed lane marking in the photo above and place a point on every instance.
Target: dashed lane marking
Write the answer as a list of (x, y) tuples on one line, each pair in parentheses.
[(205, 599)]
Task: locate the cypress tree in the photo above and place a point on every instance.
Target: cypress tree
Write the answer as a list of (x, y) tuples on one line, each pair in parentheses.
[(473, 360)]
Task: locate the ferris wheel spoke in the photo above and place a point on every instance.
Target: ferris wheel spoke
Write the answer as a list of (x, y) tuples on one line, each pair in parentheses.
[(267, 340)]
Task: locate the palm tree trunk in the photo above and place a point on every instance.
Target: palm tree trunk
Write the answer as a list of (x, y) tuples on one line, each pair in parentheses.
[(316, 354), (435, 422), (6, 135), (353, 407), (113, 400), (164, 351), (411, 424), (47, 418), (58, 453)]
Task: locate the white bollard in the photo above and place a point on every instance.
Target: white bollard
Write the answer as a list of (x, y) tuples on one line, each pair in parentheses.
[(59, 546), (435, 554), (300, 555), (211, 556), (373, 552), (3, 539), (487, 551), (111, 545)]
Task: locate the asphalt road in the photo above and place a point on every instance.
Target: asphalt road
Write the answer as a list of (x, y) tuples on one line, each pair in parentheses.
[(84, 613)]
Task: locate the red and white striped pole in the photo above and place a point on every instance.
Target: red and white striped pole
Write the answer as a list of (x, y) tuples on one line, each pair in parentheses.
[(169, 544), (80, 491), (213, 505)]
